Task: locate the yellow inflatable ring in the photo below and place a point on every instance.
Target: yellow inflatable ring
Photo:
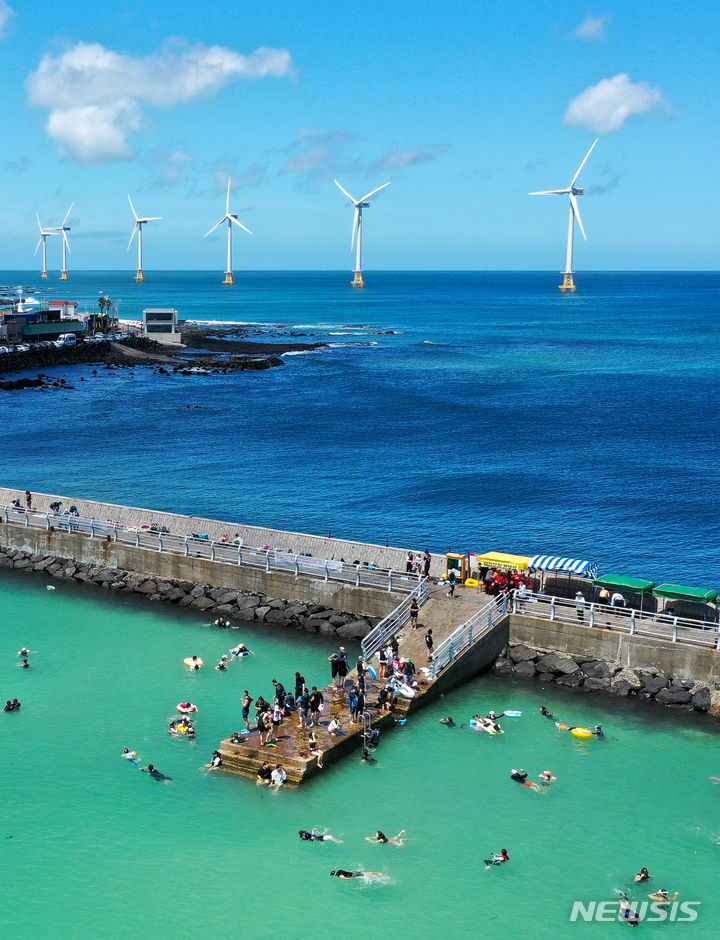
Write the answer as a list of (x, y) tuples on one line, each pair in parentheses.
[(196, 663), (472, 582), (581, 732)]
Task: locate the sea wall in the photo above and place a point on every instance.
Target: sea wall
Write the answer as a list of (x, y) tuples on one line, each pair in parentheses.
[(210, 587), (255, 536), (599, 660)]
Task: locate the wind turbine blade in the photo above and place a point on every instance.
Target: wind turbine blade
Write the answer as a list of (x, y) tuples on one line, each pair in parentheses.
[(551, 192), (153, 218), (353, 201), (67, 216), (574, 179), (132, 237), (576, 210), (227, 201), (356, 221), (67, 243), (132, 207), (37, 214), (364, 198), (233, 219), (217, 225), (38, 245)]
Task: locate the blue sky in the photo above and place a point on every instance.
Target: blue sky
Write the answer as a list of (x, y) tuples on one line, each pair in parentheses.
[(465, 106)]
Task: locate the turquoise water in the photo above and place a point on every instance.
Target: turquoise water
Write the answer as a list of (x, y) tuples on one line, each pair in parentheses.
[(93, 848)]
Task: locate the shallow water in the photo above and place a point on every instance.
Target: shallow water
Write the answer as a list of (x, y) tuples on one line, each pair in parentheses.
[(94, 848)]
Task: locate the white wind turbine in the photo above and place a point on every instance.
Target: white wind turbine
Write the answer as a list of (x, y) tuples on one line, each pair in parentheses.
[(138, 229), (44, 235), (231, 219), (64, 229), (568, 284), (356, 241)]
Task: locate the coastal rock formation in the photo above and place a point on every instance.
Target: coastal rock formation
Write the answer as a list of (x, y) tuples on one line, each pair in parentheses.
[(219, 601), (595, 675)]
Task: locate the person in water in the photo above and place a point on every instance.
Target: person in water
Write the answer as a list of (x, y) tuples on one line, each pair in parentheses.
[(346, 875), (315, 836), (546, 778), (380, 838), (627, 911), (448, 721), (278, 776), (24, 664), (546, 714), (642, 875), (155, 773), (264, 774), (130, 755), (521, 777), (662, 896), (497, 858), (240, 650), (215, 761), (599, 731), (196, 662)]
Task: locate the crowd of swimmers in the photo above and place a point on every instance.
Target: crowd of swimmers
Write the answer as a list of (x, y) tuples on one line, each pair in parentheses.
[(13, 704)]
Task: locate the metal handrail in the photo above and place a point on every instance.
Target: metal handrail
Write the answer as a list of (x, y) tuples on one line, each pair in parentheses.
[(395, 620), (466, 635), (621, 619), (269, 559)]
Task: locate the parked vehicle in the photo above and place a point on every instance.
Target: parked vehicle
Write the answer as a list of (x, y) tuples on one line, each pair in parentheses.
[(23, 347), (66, 339), (5, 349)]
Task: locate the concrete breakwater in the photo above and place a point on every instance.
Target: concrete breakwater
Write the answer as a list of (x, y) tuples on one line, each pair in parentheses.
[(586, 671), (218, 600)]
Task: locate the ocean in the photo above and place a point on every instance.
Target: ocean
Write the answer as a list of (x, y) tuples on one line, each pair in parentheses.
[(459, 410)]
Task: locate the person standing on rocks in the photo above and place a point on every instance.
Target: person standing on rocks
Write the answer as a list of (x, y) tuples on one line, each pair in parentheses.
[(580, 605), (342, 666), (299, 685), (430, 643), (316, 702), (303, 704)]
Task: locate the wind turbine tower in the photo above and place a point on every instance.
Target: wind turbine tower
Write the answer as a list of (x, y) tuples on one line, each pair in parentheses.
[(138, 229), (64, 229), (356, 241), (44, 235), (568, 284), (231, 219)]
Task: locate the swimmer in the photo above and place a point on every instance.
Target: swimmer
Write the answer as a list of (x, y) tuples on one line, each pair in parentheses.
[(627, 912), (367, 757), (380, 838), (24, 664), (449, 721), (346, 875), (222, 623), (662, 896), (221, 666), (642, 875), (546, 714), (195, 662), (264, 774), (497, 858), (278, 777), (24, 652), (599, 731), (215, 761), (8, 706), (240, 650), (190, 732), (520, 776), (546, 778), (315, 836), (155, 773), (173, 727), (130, 755)]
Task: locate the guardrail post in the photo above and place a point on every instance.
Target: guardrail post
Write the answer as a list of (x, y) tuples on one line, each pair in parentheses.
[(186, 552), (674, 630), (7, 515), (632, 622), (27, 518), (115, 535), (389, 580), (717, 644), (137, 540), (357, 575), (297, 567), (592, 615), (504, 603), (239, 554), (47, 520), (327, 576), (552, 608), (160, 542), (490, 617), (92, 528), (267, 561), (212, 551)]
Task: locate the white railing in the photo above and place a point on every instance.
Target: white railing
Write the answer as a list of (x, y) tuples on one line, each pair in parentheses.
[(622, 619), (396, 620), (466, 635), (267, 558)]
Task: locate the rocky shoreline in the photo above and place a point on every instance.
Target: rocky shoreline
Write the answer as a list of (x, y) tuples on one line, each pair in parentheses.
[(219, 601), (594, 675)]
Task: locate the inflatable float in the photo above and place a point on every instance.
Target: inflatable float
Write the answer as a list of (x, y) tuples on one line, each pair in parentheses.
[(406, 691), (194, 662), (481, 726), (512, 714), (472, 582), (578, 732), (187, 708), (371, 672)]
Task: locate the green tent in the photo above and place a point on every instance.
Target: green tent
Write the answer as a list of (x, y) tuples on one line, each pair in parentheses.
[(618, 582), (678, 593)]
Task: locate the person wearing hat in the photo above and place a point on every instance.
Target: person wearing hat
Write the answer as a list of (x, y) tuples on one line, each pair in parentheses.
[(580, 605)]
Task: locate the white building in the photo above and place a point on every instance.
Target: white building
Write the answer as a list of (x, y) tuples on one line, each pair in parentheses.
[(160, 323)]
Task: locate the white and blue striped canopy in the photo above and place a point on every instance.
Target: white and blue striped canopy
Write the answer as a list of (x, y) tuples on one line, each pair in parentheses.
[(585, 569)]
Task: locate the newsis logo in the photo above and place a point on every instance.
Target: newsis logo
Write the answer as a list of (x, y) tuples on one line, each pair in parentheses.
[(634, 911)]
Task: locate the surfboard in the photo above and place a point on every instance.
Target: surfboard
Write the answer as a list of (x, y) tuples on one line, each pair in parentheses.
[(371, 672)]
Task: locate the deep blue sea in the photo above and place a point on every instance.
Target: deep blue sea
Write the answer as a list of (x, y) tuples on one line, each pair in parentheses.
[(498, 414)]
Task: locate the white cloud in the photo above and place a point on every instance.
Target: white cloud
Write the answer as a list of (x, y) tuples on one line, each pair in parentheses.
[(410, 156), (6, 14), (89, 83), (605, 107), (592, 27)]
